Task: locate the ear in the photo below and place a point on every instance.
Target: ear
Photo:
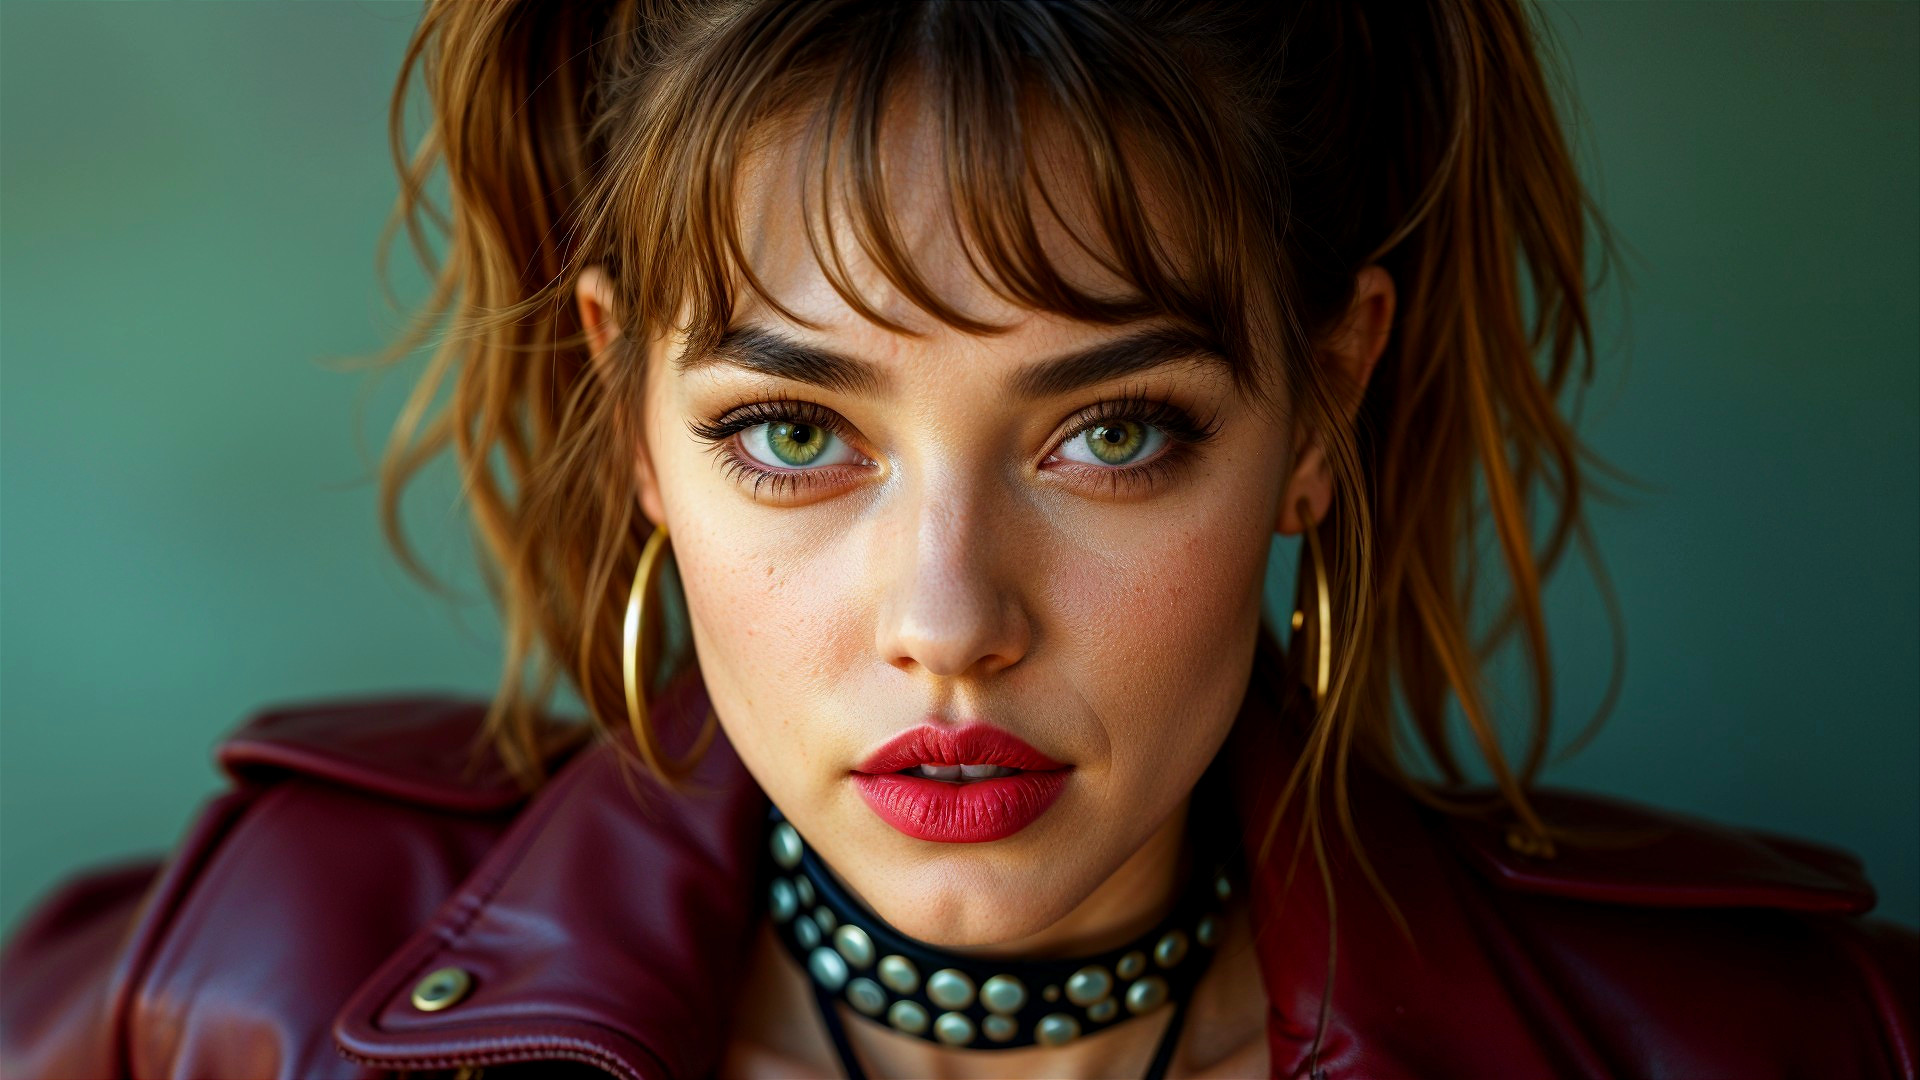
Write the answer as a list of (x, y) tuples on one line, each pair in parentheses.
[(1350, 352), (594, 295), (600, 321)]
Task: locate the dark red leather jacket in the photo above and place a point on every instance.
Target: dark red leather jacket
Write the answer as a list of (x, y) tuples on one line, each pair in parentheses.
[(606, 925)]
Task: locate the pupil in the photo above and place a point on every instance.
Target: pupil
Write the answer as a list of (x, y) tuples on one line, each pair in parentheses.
[(1112, 435), (800, 433)]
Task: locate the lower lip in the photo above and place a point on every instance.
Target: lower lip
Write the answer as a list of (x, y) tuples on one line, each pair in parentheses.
[(969, 813)]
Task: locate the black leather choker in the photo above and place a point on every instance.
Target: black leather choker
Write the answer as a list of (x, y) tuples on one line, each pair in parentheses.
[(975, 1002)]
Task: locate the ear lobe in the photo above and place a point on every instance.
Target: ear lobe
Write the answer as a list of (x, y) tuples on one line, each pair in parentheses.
[(1349, 354)]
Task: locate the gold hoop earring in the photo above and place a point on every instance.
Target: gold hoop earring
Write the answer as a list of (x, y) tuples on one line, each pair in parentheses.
[(1322, 635), (631, 651)]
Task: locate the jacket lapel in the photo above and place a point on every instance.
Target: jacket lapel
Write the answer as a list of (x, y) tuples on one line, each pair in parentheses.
[(605, 927), (1429, 1005)]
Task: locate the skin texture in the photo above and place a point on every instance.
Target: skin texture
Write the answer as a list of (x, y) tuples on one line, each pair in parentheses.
[(955, 562)]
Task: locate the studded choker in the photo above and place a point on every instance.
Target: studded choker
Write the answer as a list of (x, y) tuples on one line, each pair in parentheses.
[(976, 1002)]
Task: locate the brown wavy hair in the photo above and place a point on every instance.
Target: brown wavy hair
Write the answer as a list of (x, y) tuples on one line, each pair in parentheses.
[(1294, 144)]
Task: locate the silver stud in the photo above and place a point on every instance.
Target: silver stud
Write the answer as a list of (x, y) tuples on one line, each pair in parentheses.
[(785, 902), (1172, 949), (1103, 1012), (855, 945), (950, 989), (908, 1016), (786, 845), (1088, 985), (1223, 888), (1146, 995), (953, 1029), (866, 995), (1056, 1029), (1131, 966), (825, 918), (803, 889), (807, 932), (441, 989), (999, 1028), (899, 974), (829, 970), (1003, 994), (1208, 932)]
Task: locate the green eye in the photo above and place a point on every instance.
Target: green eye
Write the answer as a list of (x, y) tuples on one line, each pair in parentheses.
[(1115, 442), (792, 445), (796, 444)]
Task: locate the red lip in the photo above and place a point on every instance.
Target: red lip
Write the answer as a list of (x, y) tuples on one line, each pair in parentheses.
[(959, 813)]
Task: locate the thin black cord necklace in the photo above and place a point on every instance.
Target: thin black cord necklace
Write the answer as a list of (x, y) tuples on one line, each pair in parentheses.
[(980, 1003)]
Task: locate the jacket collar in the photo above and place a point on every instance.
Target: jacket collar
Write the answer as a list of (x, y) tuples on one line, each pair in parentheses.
[(610, 925), (605, 927)]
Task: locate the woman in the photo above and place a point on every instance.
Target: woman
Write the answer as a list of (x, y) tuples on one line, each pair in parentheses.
[(961, 360)]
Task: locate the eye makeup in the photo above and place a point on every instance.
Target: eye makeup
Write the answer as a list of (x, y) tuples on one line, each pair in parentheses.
[(723, 438), (1181, 433), (1171, 431)]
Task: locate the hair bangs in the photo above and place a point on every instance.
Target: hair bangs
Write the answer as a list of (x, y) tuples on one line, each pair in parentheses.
[(1078, 169)]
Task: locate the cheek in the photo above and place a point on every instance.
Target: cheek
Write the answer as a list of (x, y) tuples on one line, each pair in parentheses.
[(1159, 634), (764, 597), (770, 594), (773, 619)]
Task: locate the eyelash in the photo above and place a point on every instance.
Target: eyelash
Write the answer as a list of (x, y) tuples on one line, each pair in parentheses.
[(1182, 430)]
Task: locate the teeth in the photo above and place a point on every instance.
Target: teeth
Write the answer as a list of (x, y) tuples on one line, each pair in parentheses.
[(961, 772)]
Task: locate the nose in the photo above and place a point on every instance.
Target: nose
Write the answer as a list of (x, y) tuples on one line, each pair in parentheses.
[(951, 604)]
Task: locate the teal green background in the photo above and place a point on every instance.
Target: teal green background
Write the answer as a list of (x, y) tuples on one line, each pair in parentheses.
[(190, 195)]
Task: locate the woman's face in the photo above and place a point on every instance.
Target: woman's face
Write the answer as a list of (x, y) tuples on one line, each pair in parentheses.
[(1059, 532)]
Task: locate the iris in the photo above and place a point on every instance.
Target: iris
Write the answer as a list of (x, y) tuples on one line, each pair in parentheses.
[(1116, 442), (794, 445)]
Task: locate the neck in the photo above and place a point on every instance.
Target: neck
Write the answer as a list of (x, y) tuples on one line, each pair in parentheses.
[(1130, 906), (1126, 905)]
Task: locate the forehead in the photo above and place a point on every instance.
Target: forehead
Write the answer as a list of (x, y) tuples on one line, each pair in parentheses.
[(807, 232)]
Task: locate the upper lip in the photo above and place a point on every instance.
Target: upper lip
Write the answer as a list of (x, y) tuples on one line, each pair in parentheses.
[(975, 743)]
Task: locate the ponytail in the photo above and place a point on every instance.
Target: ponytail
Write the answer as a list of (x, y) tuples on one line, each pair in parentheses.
[(1490, 256), (1426, 141), (515, 87)]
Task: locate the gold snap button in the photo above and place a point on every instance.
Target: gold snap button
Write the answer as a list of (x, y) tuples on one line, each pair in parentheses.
[(441, 989)]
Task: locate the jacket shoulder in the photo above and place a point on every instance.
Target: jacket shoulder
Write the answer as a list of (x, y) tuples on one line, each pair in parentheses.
[(1623, 852), (423, 750), (1670, 939), (349, 821)]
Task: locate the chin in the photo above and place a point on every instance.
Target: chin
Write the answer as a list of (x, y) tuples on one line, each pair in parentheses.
[(958, 911), (968, 895)]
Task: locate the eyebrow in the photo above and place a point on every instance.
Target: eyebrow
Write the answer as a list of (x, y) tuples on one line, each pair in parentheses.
[(768, 352)]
